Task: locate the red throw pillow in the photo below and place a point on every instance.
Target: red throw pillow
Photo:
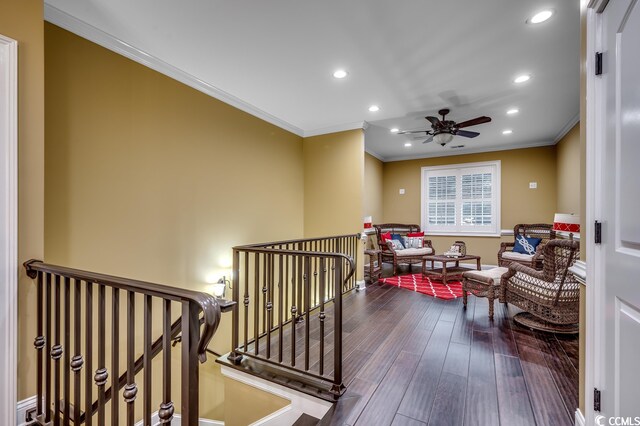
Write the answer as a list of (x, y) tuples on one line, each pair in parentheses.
[(385, 237), (415, 234)]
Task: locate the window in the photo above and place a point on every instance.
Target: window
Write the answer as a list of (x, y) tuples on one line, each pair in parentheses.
[(461, 199)]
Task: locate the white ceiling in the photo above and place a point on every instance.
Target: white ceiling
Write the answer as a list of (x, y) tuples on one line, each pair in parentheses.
[(275, 59)]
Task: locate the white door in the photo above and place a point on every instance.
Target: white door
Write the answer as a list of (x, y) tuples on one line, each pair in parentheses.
[(620, 44)]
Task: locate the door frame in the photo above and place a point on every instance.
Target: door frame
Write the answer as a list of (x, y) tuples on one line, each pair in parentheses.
[(9, 227), (595, 125)]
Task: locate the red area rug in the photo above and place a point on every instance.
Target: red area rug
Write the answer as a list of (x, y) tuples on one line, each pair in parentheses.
[(415, 282)]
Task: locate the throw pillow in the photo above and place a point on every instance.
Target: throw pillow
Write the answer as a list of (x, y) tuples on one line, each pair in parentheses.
[(396, 237), (415, 234), (526, 245), (413, 242), (386, 236), (396, 244)]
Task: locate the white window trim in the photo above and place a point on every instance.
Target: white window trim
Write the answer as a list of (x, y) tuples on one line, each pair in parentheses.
[(496, 191)]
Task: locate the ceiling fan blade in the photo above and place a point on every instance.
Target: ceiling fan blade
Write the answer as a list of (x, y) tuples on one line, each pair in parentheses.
[(467, 134), (406, 132), (429, 139), (433, 120), (475, 121)]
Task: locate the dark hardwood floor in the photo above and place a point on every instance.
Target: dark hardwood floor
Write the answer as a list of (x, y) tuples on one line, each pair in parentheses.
[(410, 359), (454, 366)]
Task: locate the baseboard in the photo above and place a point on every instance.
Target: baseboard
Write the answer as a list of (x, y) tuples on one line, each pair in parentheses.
[(22, 407), (176, 421), (579, 418)]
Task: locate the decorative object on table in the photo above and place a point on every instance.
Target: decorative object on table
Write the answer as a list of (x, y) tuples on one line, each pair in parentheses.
[(407, 256), (564, 222), (542, 231), (550, 297), (447, 272), (425, 285), (483, 284), (458, 249)]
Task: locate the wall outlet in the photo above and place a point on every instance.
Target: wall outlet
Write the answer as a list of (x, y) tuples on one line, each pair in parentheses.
[(533, 185), (401, 191)]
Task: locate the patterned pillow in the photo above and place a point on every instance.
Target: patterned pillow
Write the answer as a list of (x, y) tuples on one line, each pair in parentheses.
[(413, 242), (396, 244), (526, 245)]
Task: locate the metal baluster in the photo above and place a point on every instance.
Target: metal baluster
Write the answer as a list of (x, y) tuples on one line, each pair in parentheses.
[(77, 361), (280, 305), (256, 307), (321, 315), (307, 285), (131, 389), (56, 354), (190, 333), (265, 262), (166, 408), (146, 359), (101, 373), (337, 337), (293, 310), (246, 300), (67, 351), (39, 343), (88, 384), (269, 303), (115, 354)]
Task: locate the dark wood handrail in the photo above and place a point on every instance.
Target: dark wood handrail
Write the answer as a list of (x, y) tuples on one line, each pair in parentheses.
[(299, 240), (206, 302)]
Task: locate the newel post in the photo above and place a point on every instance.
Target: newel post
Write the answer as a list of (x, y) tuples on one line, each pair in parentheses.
[(235, 357)]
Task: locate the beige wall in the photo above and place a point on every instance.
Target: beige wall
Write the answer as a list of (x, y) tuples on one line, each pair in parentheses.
[(253, 404), (21, 20), (568, 171), (334, 185), (519, 203), (373, 184), (147, 178)]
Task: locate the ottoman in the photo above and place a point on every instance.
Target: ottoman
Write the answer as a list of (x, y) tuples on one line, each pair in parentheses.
[(482, 284)]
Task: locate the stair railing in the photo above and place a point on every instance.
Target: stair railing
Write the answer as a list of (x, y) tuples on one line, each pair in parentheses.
[(288, 311), (65, 357)]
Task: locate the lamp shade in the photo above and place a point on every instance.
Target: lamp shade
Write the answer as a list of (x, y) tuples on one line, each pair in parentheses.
[(367, 222), (443, 138), (566, 222)]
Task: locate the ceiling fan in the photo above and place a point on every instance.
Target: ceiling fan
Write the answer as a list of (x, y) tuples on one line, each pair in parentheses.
[(443, 131)]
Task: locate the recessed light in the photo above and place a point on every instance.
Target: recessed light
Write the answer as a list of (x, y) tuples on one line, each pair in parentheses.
[(394, 130), (340, 74), (513, 111), (522, 78), (374, 108), (407, 145), (507, 132), (540, 17)]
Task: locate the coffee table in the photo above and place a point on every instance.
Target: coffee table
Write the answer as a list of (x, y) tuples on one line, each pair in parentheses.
[(447, 273)]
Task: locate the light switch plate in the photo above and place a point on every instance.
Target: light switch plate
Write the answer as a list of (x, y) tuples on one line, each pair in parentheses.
[(533, 185), (401, 191)]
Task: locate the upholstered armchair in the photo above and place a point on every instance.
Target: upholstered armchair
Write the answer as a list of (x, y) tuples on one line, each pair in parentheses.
[(549, 297), (544, 231), (408, 256)]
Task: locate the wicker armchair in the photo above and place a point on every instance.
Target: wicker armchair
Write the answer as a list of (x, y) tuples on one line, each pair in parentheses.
[(551, 297), (402, 257), (506, 255)]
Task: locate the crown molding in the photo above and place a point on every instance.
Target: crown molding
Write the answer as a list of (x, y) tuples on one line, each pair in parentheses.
[(450, 153), (567, 127), (95, 35), (374, 154), (337, 128)]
